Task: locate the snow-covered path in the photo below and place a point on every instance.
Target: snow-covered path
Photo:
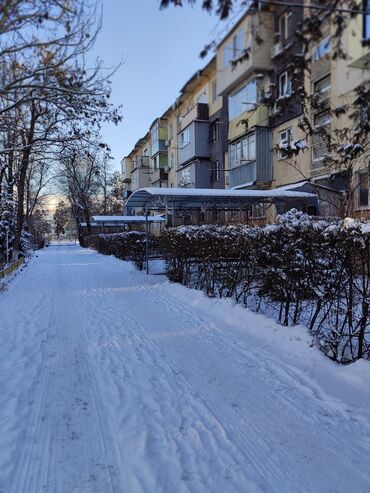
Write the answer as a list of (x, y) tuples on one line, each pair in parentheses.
[(112, 381)]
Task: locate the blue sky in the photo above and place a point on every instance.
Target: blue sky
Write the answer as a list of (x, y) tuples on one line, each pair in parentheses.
[(160, 49)]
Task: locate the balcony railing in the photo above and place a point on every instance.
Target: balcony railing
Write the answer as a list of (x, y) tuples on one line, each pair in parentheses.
[(258, 116), (142, 162), (246, 173), (198, 112), (158, 175)]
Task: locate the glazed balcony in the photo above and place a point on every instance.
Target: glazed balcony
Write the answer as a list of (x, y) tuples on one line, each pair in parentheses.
[(257, 117), (198, 112)]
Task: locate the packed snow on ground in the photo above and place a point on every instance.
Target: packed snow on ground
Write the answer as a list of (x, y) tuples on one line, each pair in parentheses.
[(114, 381)]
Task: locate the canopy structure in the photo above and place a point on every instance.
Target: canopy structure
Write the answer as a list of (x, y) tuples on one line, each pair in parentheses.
[(203, 198), (119, 220)]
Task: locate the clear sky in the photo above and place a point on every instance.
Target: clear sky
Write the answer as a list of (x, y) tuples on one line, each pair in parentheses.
[(160, 49)]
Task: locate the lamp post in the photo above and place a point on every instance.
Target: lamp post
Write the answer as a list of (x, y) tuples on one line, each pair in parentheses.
[(7, 243)]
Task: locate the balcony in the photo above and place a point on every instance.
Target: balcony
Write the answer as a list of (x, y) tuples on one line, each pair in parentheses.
[(158, 146), (257, 117), (198, 112), (277, 50), (159, 175), (141, 162), (245, 173)]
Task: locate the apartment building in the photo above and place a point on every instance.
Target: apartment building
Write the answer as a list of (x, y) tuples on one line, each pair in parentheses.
[(237, 119), (201, 131)]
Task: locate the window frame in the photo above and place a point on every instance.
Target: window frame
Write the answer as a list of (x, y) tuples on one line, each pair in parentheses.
[(183, 142), (289, 137), (288, 90), (359, 182), (215, 131), (216, 172), (366, 21), (323, 94), (318, 141), (285, 33), (237, 150)]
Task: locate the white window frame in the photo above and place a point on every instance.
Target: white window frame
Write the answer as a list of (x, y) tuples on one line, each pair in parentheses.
[(320, 144), (242, 150), (184, 138), (285, 135), (323, 94), (287, 90), (284, 31)]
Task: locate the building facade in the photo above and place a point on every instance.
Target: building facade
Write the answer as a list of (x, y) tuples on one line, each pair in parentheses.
[(271, 109)]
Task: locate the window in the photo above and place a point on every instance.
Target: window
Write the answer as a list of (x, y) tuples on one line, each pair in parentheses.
[(214, 91), (216, 175), (366, 33), (363, 187), (184, 138), (203, 98), (322, 49), (322, 88), (285, 26), (321, 137), (286, 136), (257, 210), (178, 121), (215, 131), (244, 99), (242, 150), (234, 48), (285, 84)]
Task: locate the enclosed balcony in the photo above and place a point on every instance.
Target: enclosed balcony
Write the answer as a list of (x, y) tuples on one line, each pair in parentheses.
[(141, 162), (250, 159), (158, 134), (248, 120), (198, 112), (159, 177)]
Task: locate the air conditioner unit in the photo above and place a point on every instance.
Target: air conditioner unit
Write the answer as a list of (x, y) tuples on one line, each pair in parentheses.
[(166, 169), (167, 142)]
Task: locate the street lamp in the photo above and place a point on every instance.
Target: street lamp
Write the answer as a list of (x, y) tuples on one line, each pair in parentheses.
[(7, 243)]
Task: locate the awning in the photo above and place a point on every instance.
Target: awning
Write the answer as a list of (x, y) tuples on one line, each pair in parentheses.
[(118, 220), (195, 198)]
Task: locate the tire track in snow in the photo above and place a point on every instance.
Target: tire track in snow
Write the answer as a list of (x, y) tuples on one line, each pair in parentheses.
[(315, 410), (168, 366)]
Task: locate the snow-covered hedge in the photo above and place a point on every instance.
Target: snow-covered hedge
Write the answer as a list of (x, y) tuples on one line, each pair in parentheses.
[(129, 245), (299, 270)]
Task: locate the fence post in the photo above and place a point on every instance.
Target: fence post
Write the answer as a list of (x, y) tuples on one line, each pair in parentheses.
[(147, 241)]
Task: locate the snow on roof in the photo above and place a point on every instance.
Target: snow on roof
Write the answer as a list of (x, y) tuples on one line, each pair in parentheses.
[(127, 219), (293, 186), (158, 198)]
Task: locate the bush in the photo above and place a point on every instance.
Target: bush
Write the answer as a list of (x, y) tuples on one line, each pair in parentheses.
[(125, 246), (298, 270)]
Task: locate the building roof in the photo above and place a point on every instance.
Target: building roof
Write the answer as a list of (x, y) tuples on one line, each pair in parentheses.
[(194, 198)]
